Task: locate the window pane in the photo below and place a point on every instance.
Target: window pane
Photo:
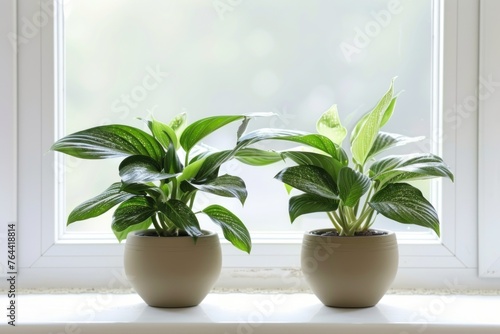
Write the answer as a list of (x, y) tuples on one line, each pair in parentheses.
[(127, 59)]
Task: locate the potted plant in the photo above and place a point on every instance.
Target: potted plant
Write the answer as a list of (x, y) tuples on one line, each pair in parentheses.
[(352, 264), (176, 263)]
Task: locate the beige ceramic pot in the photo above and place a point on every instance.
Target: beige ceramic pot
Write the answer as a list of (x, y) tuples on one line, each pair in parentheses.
[(172, 271), (349, 271)]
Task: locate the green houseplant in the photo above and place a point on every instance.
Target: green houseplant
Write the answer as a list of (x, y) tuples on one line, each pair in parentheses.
[(352, 191), (160, 176)]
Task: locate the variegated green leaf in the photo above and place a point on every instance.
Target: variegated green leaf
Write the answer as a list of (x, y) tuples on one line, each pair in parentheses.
[(233, 228), (109, 141), (309, 179), (329, 126), (405, 204)]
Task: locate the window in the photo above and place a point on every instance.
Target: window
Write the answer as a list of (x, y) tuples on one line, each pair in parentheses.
[(48, 257)]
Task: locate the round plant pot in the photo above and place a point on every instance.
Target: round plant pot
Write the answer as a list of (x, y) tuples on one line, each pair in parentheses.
[(172, 271), (349, 271)]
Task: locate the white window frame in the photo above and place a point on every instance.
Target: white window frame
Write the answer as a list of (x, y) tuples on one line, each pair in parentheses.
[(47, 260)]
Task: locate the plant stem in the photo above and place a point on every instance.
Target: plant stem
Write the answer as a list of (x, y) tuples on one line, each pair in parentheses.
[(334, 221), (157, 226)]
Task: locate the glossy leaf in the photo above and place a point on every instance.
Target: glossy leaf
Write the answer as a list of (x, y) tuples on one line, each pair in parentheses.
[(310, 203), (133, 211), (329, 125), (396, 168), (309, 179), (232, 227), (388, 112), (182, 217), (367, 129), (257, 157), (316, 141), (164, 134), (109, 141), (405, 204), (211, 165), (122, 234), (385, 141), (225, 185), (141, 169), (352, 185), (332, 166), (203, 127), (99, 204)]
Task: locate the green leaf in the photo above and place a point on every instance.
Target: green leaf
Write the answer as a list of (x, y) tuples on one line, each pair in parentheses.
[(172, 162), (310, 203), (310, 179), (211, 165), (332, 166), (316, 141), (164, 134), (100, 204), (141, 169), (367, 128), (122, 235), (191, 170), (202, 128), (182, 217), (416, 166), (388, 112), (133, 211), (233, 228), (405, 204), (257, 157), (329, 126), (178, 123), (387, 140), (225, 185), (109, 141), (352, 185)]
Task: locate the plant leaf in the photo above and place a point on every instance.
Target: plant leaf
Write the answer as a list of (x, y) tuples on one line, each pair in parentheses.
[(310, 203), (367, 128), (386, 140), (233, 228), (329, 126), (352, 185), (405, 204), (395, 168), (225, 185), (332, 166), (99, 204), (203, 127), (122, 235), (316, 141), (164, 134), (310, 179), (182, 217), (178, 123), (109, 141), (257, 157), (141, 169), (388, 112), (211, 165), (133, 211)]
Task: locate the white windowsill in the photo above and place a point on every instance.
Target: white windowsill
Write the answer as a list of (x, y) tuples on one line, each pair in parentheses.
[(249, 313)]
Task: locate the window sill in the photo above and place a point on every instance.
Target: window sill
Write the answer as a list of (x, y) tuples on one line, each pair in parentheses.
[(253, 313)]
